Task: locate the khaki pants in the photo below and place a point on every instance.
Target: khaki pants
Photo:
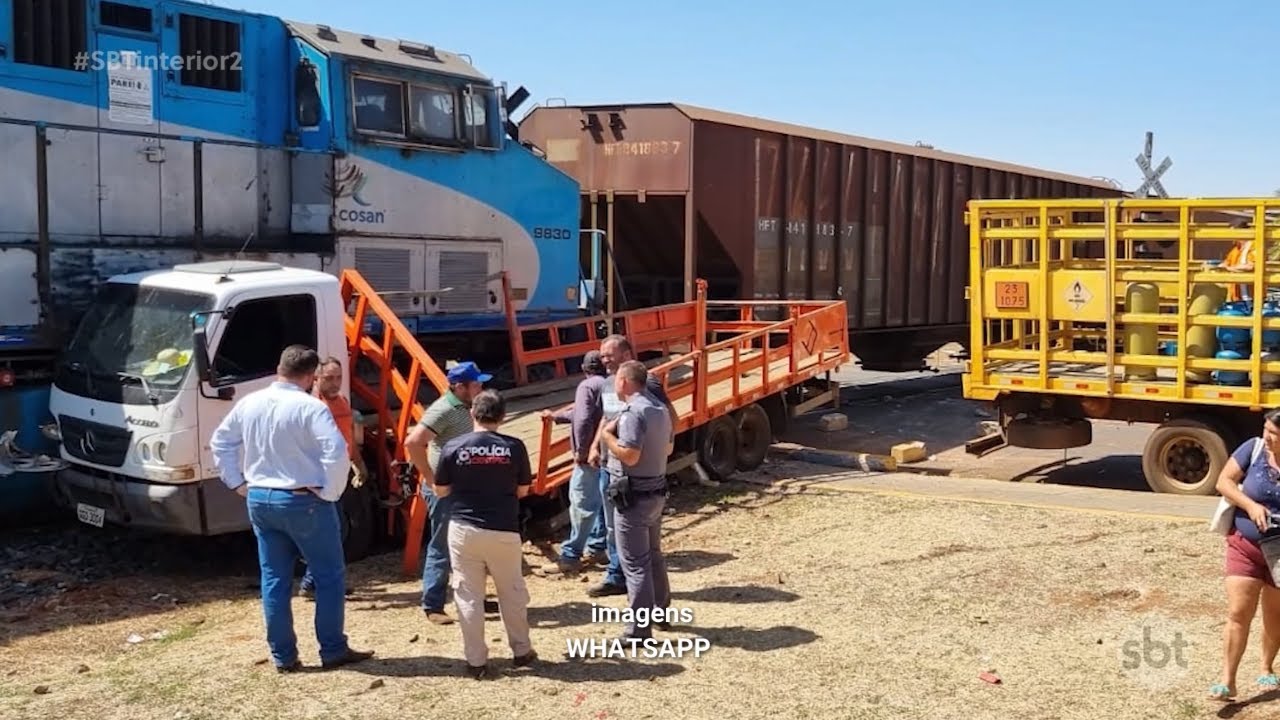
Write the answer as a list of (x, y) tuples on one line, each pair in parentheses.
[(475, 553)]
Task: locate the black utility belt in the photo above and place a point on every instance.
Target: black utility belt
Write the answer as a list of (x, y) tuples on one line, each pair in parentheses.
[(646, 493)]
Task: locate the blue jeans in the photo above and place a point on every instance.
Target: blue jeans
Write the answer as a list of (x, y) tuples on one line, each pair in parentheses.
[(613, 574), (435, 569), (586, 523), (286, 524)]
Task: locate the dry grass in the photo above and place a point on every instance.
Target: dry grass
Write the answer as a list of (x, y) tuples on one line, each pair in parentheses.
[(818, 604)]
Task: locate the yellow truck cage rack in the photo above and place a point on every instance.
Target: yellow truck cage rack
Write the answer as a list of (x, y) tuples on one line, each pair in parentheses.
[(1139, 309)]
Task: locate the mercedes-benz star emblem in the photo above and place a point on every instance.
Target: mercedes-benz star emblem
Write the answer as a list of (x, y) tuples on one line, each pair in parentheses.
[(88, 444)]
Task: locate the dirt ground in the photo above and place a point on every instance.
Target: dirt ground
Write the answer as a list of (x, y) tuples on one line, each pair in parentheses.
[(817, 604)]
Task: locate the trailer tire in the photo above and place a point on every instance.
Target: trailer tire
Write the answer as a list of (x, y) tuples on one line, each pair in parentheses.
[(718, 448), (755, 435), (1184, 457), (357, 517)]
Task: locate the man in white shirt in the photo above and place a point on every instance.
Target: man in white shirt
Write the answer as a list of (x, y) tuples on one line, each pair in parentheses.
[(280, 448)]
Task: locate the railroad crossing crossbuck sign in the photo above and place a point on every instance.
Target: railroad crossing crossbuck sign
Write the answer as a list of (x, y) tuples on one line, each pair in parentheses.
[(1151, 177)]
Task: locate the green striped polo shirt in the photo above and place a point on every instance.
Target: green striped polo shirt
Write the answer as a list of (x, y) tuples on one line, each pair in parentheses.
[(448, 418)]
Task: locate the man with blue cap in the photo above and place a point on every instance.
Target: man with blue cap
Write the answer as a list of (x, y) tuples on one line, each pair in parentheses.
[(445, 419)]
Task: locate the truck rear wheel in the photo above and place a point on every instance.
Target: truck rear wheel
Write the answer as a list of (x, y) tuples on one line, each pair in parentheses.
[(718, 448), (754, 437), (357, 514), (1184, 457)]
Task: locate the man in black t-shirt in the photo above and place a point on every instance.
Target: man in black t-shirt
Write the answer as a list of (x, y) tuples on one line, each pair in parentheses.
[(485, 473)]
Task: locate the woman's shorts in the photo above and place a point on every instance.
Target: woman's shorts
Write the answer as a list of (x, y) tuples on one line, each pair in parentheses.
[(1245, 559)]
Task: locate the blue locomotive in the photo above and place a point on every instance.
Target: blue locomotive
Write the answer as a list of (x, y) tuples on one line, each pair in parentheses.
[(140, 134)]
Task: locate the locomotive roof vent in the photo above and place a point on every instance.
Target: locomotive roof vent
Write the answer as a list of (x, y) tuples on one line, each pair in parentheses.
[(419, 50)]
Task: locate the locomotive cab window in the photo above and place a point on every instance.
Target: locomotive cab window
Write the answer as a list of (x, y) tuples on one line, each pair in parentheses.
[(479, 101), (424, 114), (434, 114), (50, 33), (378, 105)]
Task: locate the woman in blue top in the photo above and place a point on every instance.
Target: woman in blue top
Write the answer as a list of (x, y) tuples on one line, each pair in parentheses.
[(1251, 481)]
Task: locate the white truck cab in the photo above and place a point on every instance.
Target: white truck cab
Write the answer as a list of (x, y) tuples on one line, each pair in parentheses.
[(155, 365)]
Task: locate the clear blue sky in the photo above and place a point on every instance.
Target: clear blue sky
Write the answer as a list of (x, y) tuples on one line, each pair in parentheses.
[(1066, 86)]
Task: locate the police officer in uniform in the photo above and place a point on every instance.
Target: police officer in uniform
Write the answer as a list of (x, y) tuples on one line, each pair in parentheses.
[(638, 441)]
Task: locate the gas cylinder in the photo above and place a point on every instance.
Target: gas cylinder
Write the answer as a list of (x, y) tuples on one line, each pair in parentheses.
[(1237, 339), (1230, 377), (1141, 339), (1270, 338), (1206, 299), (1270, 380)]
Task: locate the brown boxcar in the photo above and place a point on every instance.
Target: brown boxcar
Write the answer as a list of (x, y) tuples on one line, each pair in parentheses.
[(768, 210)]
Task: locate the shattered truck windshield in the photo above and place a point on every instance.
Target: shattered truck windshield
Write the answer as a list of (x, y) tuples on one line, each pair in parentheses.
[(133, 345)]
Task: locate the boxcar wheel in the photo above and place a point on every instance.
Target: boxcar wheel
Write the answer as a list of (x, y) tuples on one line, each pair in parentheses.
[(1184, 457), (718, 448), (754, 437)]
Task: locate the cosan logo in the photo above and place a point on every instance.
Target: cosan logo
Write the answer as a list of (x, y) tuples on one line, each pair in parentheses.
[(482, 454), (139, 422)]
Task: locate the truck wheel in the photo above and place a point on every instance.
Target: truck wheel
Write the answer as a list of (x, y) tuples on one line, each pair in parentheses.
[(754, 437), (357, 515), (1184, 457), (718, 448)]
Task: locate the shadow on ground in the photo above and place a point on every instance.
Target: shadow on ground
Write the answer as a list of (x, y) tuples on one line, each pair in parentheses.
[(552, 665), (1115, 472), (1233, 709)]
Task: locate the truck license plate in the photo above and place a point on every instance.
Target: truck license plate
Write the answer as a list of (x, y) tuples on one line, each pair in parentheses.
[(90, 515)]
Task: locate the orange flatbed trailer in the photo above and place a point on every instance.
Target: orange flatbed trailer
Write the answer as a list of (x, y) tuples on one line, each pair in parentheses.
[(730, 380)]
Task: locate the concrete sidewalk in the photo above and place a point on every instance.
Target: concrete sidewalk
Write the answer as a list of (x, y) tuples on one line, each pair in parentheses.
[(1079, 499)]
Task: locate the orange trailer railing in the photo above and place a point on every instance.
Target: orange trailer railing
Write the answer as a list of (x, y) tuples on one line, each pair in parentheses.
[(813, 339), (361, 300), (667, 328)]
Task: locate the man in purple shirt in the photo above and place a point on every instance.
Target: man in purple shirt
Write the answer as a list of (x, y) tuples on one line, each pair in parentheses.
[(586, 518)]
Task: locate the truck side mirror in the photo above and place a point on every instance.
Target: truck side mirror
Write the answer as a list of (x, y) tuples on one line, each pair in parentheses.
[(200, 342), (204, 369)]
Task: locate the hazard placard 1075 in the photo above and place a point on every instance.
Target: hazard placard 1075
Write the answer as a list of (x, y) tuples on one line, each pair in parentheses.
[(1012, 296)]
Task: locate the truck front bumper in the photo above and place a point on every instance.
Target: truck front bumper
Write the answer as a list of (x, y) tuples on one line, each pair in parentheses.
[(201, 507)]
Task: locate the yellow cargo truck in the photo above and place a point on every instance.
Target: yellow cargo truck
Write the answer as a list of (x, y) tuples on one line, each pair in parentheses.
[(1125, 310)]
